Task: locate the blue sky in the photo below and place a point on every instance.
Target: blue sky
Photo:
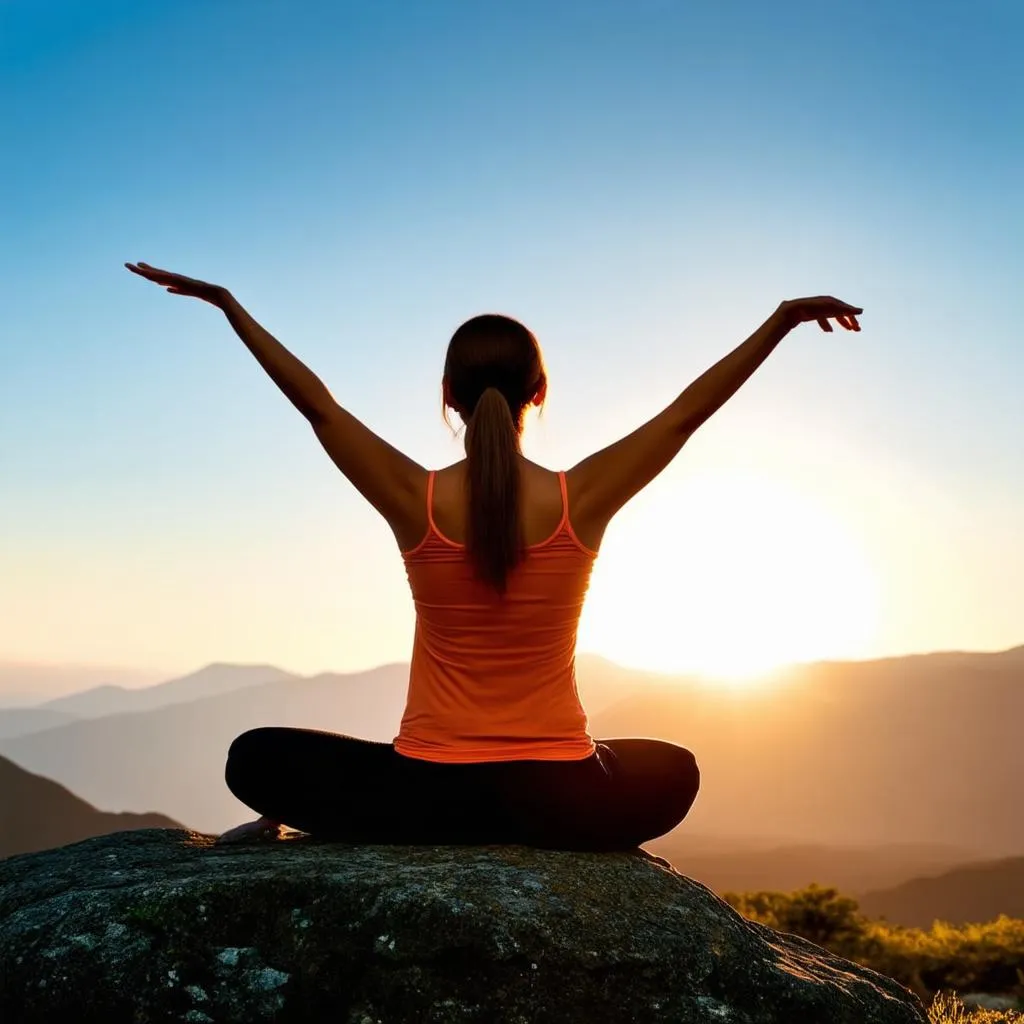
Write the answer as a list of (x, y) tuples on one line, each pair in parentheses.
[(639, 182)]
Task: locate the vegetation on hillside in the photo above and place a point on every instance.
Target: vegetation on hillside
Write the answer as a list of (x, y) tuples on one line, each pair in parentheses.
[(948, 1009), (986, 957)]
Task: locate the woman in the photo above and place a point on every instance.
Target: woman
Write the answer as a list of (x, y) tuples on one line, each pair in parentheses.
[(493, 745)]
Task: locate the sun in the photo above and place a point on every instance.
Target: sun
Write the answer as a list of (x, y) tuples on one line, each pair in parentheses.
[(730, 577)]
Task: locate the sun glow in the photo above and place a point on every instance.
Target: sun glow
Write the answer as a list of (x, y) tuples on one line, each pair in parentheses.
[(734, 575)]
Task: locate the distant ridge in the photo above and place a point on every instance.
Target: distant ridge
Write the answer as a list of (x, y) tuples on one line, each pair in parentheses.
[(21, 683), (27, 684), (37, 813), (212, 681), (969, 893), (731, 865), (21, 721)]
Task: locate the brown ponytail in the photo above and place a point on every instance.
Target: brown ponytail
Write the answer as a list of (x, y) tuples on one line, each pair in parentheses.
[(493, 528), (492, 372)]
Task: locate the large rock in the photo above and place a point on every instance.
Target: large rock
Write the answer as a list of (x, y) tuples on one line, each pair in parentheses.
[(161, 925)]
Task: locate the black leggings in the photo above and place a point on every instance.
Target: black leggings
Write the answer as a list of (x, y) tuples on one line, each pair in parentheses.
[(338, 787)]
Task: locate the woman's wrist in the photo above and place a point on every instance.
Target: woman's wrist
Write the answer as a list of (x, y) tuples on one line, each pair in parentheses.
[(783, 318)]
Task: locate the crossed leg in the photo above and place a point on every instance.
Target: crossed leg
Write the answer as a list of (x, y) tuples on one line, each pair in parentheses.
[(342, 787)]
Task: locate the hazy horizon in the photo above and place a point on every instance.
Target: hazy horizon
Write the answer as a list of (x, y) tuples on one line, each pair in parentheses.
[(641, 184), (139, 677)]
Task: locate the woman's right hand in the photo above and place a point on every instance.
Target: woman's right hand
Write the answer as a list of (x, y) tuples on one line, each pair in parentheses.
[(178, 284), (821, 308)]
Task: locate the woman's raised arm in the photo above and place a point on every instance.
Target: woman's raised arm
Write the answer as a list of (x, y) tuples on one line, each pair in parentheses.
[(301, 386), (387, 478), (604, 482)]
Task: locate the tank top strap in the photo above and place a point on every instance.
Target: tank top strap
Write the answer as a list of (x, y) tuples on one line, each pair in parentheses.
[(432, 526), (565, 499)]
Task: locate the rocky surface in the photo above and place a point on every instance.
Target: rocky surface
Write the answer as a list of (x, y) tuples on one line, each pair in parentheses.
[(163, 925)]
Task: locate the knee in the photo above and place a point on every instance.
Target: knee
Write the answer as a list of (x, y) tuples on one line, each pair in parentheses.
[(246, 753), (685, 781), (686, 767), (248, 744)]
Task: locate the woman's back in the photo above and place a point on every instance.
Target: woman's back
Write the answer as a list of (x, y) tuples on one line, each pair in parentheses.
[(493, 674), (540, 506)]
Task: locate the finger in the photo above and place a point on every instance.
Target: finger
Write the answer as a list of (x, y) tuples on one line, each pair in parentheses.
[(837, 304), (845, 322), (824, 324), (143, 271), (856, 325)]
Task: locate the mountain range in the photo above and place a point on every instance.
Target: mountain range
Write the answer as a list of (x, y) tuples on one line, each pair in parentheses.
[(869, 776), (921, 749), (211, 681)]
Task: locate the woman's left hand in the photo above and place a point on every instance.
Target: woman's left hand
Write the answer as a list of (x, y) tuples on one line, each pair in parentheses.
[(257, 831), (821, 308), (178, 284)]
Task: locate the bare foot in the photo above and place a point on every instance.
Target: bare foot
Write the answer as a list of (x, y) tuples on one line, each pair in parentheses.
[(251, 832)]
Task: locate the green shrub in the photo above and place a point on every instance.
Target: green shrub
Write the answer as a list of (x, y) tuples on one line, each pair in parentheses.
[(816, 913), (985, 957)]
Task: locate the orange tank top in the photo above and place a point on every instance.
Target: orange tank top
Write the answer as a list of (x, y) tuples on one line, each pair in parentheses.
[(494, 678)]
